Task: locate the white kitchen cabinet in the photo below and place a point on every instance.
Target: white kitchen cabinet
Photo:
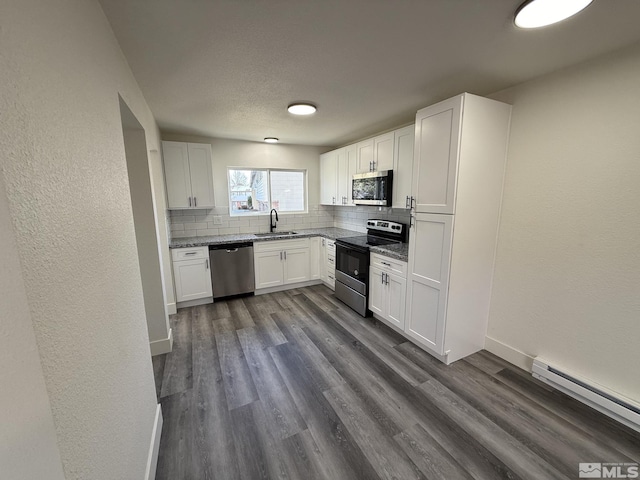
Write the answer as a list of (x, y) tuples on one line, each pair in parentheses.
[(315, 247), (268, 269), (329, 178), (388, 289), (430, 241), (346, 158), (192, 275), (281, 262), (375, 154), (328, 262), (458, 172), (188, 175), (404, 139)]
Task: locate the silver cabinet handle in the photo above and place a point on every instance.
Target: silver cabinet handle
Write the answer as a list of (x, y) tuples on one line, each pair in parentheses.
[(413, 199), (206, 264), (323, 242), (411, 221), (285, 255), (333, 200), (330, 277), (189, 201), (386, 279), (195, 202), (385, 263), (280, 256), (191, 253), (382, 278), (406, 202)]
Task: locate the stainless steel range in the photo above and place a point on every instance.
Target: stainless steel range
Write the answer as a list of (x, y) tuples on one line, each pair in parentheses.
[(352, 261)]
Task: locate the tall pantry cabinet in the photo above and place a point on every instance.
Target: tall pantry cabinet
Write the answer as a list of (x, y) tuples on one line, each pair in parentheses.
[(458, 171)]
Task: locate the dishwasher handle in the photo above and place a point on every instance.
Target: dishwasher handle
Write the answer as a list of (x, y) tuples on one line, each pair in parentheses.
[(233, 250)]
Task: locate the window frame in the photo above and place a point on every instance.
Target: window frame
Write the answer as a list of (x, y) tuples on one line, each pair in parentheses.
[(305, 173)]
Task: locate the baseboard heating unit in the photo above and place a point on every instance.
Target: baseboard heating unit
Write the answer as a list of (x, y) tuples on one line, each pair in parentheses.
[(621, 409)]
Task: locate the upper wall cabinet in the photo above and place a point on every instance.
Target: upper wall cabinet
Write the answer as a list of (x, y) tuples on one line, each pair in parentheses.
[(189, 175), (375, 154), (346, 161), (402, 166), (328, 178)]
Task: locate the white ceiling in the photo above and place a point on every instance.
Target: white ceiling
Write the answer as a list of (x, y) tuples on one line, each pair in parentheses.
[(229, 68)]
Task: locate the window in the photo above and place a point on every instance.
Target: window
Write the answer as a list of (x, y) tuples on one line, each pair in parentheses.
[(257, 191)]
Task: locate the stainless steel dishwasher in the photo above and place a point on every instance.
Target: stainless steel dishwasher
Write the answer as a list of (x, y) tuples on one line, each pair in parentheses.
[(232, 269)]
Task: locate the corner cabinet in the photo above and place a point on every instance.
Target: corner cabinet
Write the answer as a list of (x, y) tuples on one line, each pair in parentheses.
[(458, 172), (192, 274), (188, 172)]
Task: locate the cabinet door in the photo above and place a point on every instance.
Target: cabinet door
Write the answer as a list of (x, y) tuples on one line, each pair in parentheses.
[(193, 279), (404, 139), (315, 246), (395, 300), (269, 267), (329, 178), (201, 175), (323, 260), (176, 172), (296, 265), (383, 152), (377, 291), (428, 279), (346, 170), (364, 156), (436, 156)]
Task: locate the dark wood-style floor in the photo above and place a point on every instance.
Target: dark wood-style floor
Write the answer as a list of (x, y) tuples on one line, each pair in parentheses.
[(294, 385)]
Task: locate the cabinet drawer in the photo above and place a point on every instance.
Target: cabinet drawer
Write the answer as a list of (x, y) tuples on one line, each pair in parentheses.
[(278, 245), (178, 254), (331, 262), (331, 247), (389, 264)]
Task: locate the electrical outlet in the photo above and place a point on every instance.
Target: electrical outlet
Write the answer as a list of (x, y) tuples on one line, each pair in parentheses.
[(217, 220)]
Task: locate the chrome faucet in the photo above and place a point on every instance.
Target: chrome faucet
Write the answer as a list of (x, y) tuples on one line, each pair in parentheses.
[(272, 225)]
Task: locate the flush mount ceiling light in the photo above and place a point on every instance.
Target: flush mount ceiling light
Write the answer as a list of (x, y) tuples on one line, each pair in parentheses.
[(301, 108), (540, 13), (271, 140)]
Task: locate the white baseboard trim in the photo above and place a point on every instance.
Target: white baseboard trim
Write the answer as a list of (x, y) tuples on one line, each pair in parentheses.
[(165, 345), (280, 288), (154, 447), (508, 353), (172, 309)]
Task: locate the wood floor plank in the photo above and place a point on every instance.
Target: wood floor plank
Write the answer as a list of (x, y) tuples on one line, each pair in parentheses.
[(174, 456), (485, 363), (386, 456), (239, 314), (237, 380), (178, 369), (260, 308), (158, 362), (249, 448), (432, 460), (305, 458), (518, 457), (338, 447), (214, 453), (280, 412)]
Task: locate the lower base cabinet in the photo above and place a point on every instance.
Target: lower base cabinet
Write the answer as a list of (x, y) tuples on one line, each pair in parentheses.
[(282, 262), (192, 274), (388, 289)]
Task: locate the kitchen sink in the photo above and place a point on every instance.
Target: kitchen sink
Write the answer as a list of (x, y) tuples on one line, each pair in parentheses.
[(275, 234)]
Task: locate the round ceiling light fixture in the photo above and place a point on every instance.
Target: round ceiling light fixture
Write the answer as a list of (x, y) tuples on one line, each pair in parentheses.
[(540, 13), (271, 139), (301, 108)]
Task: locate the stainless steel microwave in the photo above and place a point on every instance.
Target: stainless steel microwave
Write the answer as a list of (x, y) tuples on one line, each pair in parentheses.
[(373, 188)]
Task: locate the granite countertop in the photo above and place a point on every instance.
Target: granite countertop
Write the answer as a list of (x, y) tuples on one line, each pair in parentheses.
[(399, 252)]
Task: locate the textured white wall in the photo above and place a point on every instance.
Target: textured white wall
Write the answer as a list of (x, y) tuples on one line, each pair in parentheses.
[(66, 180), (567, 275), (28, 447)]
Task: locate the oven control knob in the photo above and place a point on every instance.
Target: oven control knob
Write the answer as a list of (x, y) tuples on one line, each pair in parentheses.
[(355, 272)]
